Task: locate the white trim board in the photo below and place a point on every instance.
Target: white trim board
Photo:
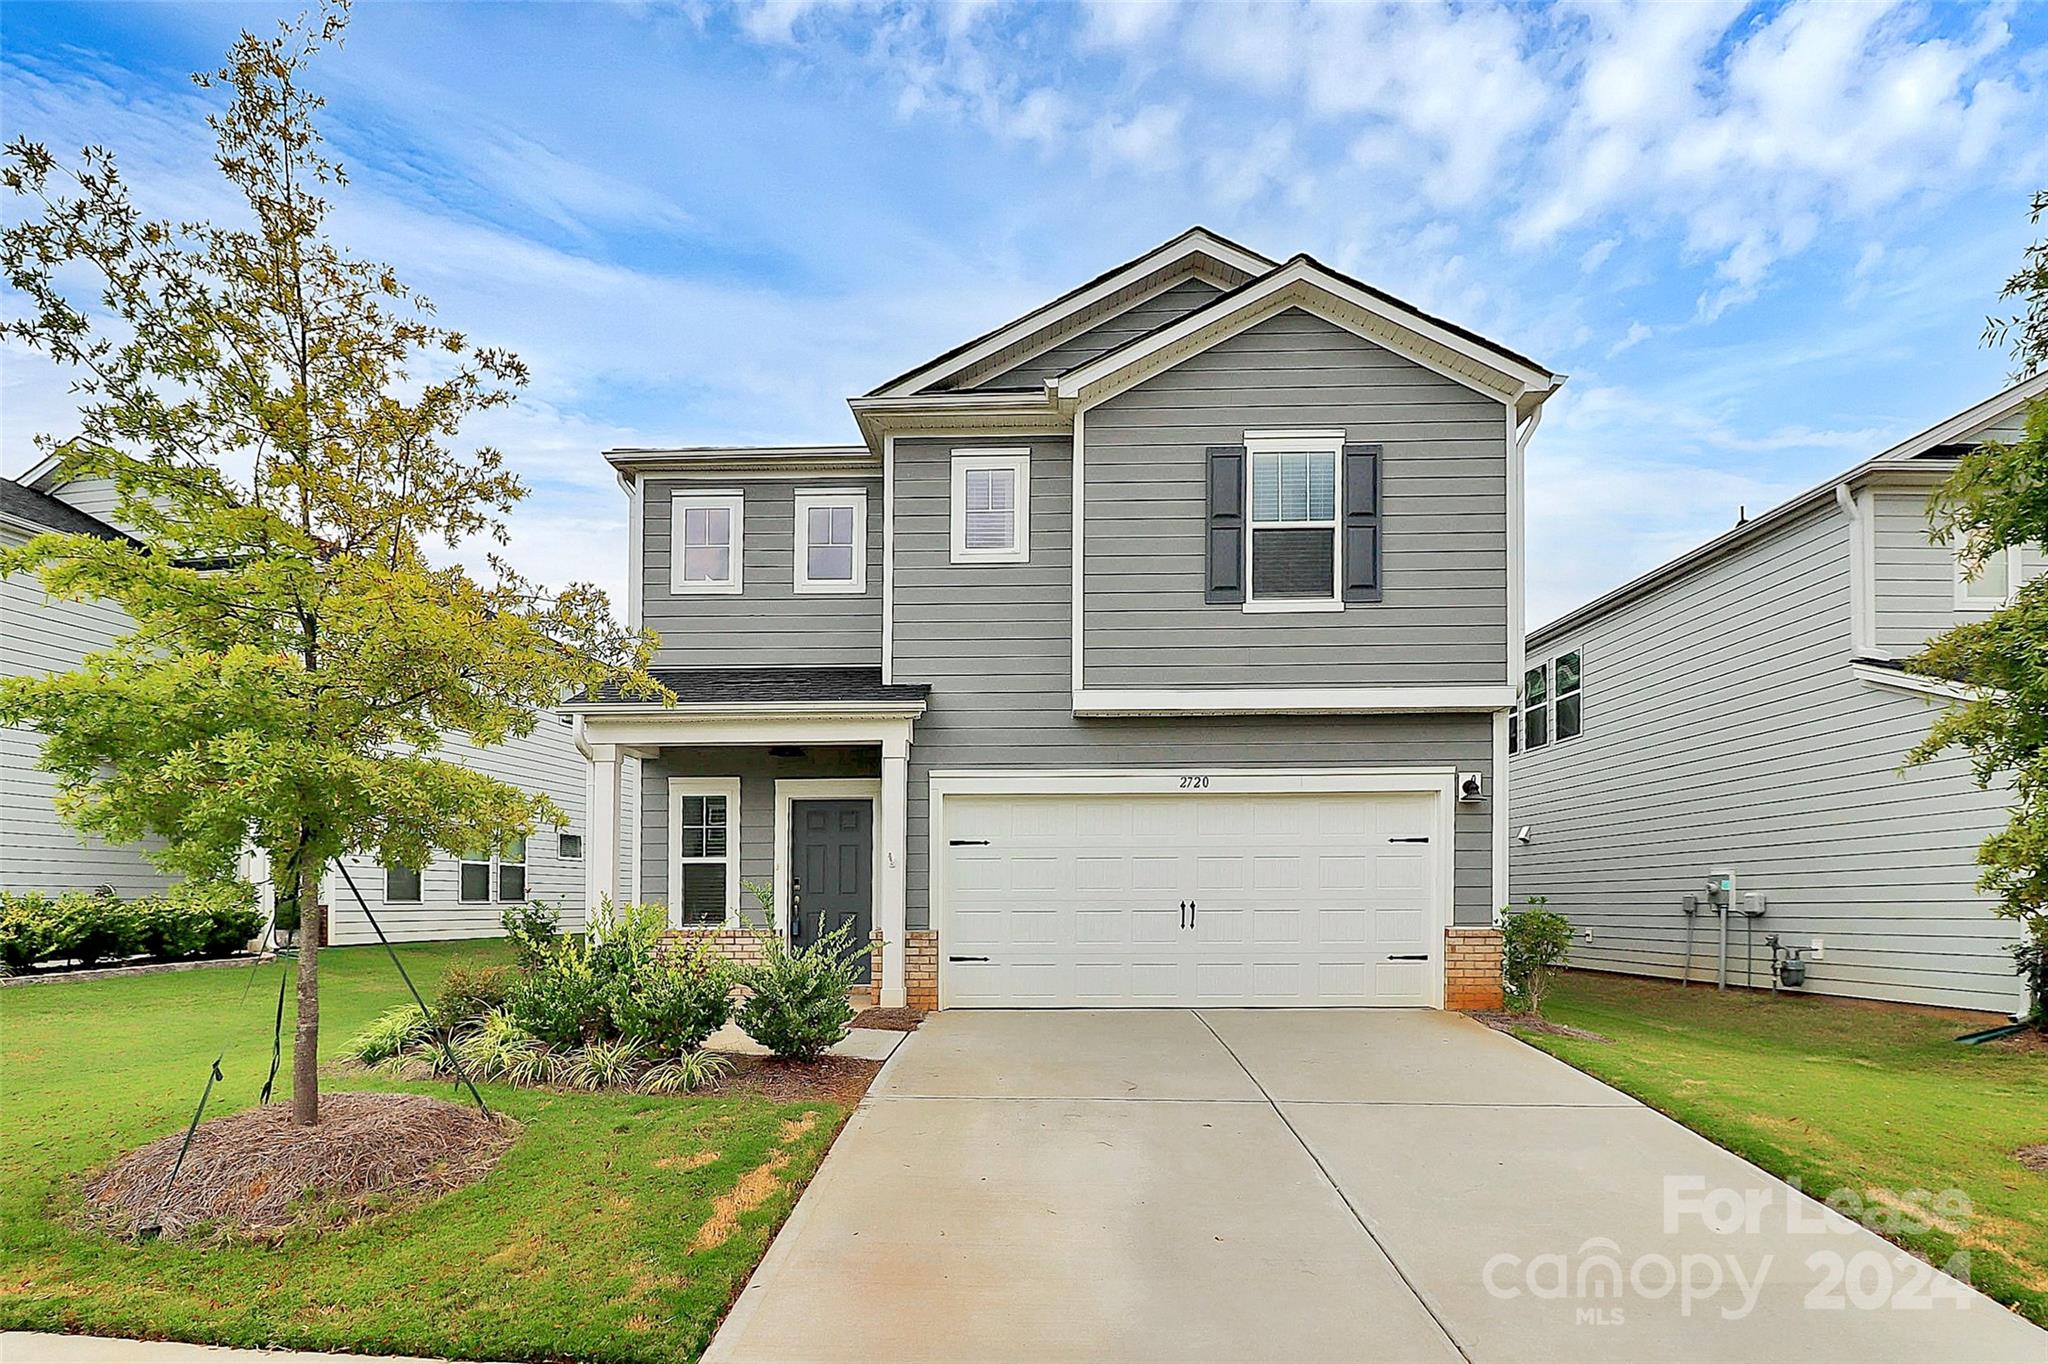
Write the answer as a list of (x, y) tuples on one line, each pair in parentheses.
[(1440, 782), (729, 787), (1292, 700), (1912, 682), (789, 789)]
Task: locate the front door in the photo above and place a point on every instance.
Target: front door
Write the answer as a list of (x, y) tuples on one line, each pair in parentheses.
[(832, 872)]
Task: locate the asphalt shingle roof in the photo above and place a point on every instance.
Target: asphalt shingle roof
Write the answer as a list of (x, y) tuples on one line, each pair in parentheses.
[(24, 503), (723, 686)]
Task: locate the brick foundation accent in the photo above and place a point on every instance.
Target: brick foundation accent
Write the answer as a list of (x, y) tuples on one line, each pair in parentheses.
[(1472, 968), (875, 942), (743, 946), (921, 969)]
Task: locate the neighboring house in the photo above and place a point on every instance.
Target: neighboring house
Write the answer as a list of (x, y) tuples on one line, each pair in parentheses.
[(1741, 713), (1154, 648), (450, 898)]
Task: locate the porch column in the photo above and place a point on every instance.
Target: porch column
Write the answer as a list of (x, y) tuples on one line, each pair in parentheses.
[(601, 850), (890, 897)]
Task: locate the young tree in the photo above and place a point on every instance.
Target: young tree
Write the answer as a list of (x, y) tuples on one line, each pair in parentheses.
[(1997, 499), (276, 416)]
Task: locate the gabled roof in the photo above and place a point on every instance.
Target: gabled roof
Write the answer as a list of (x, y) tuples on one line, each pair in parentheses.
[(33, 507), (1197, 249), (1924, 456), (770, 686), (1455, 351)]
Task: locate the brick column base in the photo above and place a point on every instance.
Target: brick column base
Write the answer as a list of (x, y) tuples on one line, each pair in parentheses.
[(875, 941), (921, 969), (742, 946), (1472, 968)]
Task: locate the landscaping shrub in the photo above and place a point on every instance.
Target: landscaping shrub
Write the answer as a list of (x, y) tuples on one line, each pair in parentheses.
[(496, 1048), (799, 1005), (28, 928), (534, 928), (392, 1034), (1534, 940), (470, 992), (681, 1074), (226, 910), (2030, 958), (94, 926), (674, 1004), (603, 1064), (562, 1000)]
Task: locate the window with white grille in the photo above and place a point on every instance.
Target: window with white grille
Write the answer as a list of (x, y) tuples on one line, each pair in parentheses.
[(991, 506)]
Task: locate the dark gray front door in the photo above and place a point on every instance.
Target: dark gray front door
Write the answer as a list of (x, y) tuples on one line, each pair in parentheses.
[(832, 871)]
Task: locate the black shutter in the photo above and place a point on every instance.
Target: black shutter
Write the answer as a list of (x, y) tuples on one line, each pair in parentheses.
[(1226, 524), (1361, 526)]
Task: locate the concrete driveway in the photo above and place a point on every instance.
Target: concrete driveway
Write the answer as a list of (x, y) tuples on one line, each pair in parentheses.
[(1311, 1185)]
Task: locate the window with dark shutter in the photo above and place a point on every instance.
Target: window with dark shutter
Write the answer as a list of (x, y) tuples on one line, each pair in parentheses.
[(1226, 524), (1362, 523)]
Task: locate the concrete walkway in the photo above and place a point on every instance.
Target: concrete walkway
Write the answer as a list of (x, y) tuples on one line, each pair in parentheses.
[(36, 1347), (1311, 1185)]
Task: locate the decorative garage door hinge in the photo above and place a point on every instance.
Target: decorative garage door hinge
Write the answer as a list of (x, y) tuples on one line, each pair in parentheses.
[(1408, 840), (1410, 956), (967, 959), (968, 842)]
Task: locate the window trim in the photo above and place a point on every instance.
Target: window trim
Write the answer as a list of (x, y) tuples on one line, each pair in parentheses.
[(2016, 575), (419, 896), (1269, 444), (734, 503), (728, 787), (808, 499), (1017, 459)]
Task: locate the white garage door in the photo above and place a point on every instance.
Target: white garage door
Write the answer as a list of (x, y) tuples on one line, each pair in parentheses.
[(1215, 899)]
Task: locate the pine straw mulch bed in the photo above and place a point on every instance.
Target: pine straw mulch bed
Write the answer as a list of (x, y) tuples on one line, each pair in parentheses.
[(889, 1020), (257, 1174), (2033, 1157), (838, 1079), (2033, 1039), (1501, 1021)]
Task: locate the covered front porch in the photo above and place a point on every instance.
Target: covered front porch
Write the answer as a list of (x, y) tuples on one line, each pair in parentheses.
[(789, 785)]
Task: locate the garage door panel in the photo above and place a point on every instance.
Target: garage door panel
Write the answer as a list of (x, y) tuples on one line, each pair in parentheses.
[(1079, 901)]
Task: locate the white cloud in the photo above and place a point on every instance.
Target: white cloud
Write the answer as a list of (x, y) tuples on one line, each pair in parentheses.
[(1596, 255), (1148, 140), (1636, 334), (1124, 23)]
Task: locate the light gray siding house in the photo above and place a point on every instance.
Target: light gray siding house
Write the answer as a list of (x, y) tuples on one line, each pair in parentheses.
[(1741, 712), (1154, 648), (447, 899)]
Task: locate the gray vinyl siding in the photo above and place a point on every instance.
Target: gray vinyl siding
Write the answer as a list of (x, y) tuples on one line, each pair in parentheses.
[(1444, 613), (767, 623), (1168, 306), (545, 761), (38, 850), (757, 770), (1725, 728), (993, 642), (1915, 582)]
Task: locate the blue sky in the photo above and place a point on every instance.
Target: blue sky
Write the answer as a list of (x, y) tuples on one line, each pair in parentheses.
[(1762, 239)]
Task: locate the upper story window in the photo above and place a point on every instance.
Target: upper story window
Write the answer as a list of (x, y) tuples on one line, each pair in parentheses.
[(831, 541), (706, 541), (991, 506), (1552, 705), (1293, 522), (1998, 577)]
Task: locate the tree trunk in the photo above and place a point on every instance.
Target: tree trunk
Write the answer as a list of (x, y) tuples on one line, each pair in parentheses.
[(306, 1035)]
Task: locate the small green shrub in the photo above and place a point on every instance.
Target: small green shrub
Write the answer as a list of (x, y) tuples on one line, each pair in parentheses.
[(496, 1048), (675, 1003), (681, 1074), (28, 928), (166, 932), (534, 928), (392, 1034), (562, 1000), (799, 1005), (1534, 940), (94, 926), (469, 992)]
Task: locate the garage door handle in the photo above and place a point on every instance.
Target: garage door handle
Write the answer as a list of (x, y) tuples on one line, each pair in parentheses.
[(968, 842), (1410, 956), (967, 959), (1183, 913), (1408, 840)]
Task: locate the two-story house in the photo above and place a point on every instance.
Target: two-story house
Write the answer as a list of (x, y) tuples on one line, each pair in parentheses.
[(1728, 733), (1157, 647)]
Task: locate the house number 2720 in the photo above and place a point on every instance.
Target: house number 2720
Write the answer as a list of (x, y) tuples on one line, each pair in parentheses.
[(1194, 783)]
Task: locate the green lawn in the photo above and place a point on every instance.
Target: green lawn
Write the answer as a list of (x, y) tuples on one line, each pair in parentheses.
[(577, 1245), (1839, 1095)]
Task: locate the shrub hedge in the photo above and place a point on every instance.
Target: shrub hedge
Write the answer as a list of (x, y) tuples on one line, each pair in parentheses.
[(90, 927)]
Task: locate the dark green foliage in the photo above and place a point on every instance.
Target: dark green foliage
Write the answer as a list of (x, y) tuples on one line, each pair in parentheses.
[(676, 1002), (2030, 960), (799, 1004), (97, 927), (561, 1001), (196, 919), (28, 928), (1533, 941), (534, 928)]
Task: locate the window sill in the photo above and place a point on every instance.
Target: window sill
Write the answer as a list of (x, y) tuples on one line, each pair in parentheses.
[(1278, 608), (677, 589), (853, 589)]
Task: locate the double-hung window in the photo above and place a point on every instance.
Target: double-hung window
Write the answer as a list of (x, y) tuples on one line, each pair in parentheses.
[(512, 871), (1293, 541), (473, 872), (703, 847), (831, 541), (991, 506), (706, 542), (1570, 703), (479, 869), (1553, 704), (1536, 706), (1997, 577)]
